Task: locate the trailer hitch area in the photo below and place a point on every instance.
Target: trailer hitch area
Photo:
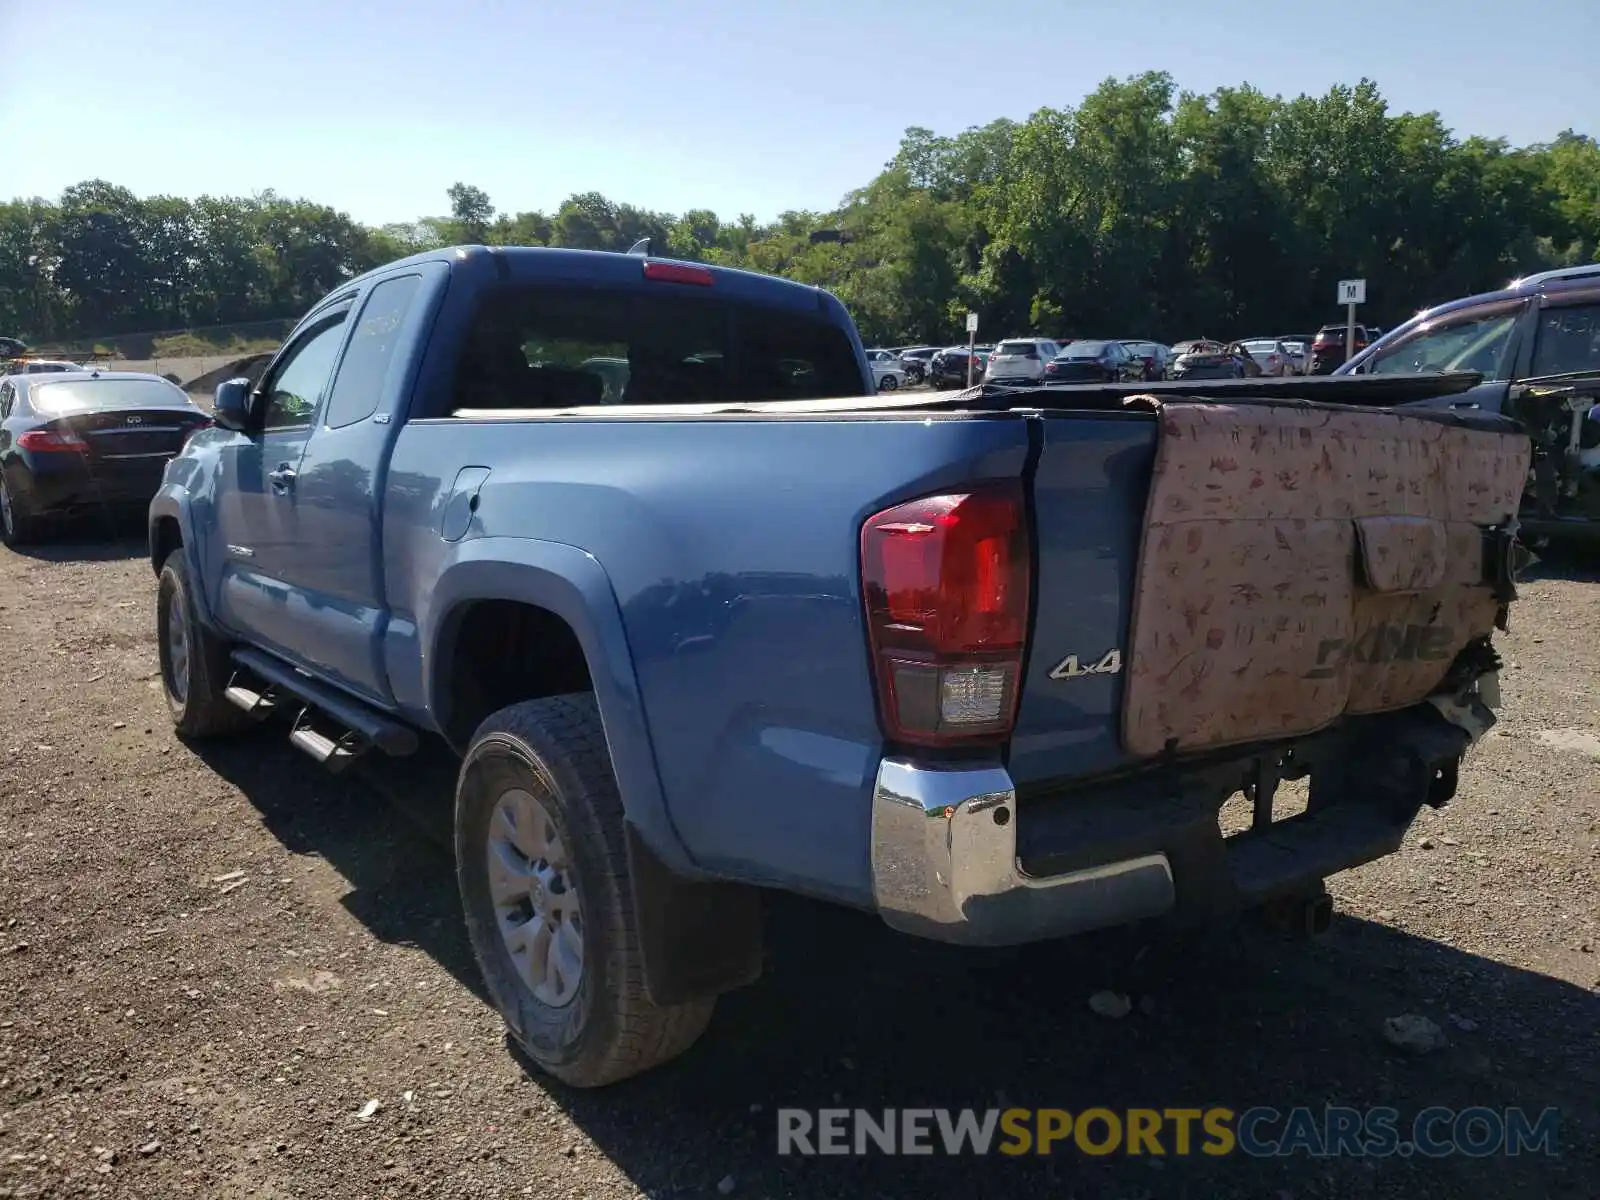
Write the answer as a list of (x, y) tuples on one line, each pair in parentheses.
[(1304, 914)]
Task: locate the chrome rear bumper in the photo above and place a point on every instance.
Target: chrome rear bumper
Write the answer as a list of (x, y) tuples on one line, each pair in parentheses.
[(944, 865)]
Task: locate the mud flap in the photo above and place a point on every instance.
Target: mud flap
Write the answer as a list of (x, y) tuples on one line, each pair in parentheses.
[(699, 939)]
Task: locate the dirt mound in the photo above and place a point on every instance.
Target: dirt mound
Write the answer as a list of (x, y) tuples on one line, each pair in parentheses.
[(249, 367)]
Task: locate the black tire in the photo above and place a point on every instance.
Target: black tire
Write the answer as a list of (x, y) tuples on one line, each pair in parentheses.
[(198, 707), (555, 750), (18, 526), (888, 384)]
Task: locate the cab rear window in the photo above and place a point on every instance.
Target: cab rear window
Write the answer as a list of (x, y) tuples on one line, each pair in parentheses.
[(552, 348)]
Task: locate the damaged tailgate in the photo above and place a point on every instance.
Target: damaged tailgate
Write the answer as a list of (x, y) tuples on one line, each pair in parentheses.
[(1260, 569)]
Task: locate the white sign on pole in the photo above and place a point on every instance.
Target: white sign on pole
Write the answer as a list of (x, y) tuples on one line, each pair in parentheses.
[(972, 322), (1352, 291)]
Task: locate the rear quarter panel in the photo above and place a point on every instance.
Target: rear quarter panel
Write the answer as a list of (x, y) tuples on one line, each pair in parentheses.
[(731, 548)]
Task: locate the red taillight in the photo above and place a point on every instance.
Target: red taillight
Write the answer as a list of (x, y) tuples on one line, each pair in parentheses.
[(674, 272), (946, 583), (52, 441)]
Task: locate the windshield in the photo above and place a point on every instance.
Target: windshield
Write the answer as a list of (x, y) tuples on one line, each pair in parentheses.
[(1016, 350), (1084, 350), (1471, 344), (87, 395), (1260, 347)]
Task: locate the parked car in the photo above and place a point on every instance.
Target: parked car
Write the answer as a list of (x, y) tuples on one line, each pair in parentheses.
[(1202, 358), (1270, 354), (85, 441), (1536, 345), (1299, 345), (1093, 361), (41, 366), (948, 367), (915, 362), (11, 347), (1153, 355), (923, 661), (1019, 360), (1328, 347), (887, 373)]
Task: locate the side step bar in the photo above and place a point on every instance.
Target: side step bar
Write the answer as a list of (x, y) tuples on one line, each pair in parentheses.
[(365, 723), (335, 754), (257, 705)]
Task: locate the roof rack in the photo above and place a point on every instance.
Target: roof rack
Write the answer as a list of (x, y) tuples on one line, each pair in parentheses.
[(1544, 277)]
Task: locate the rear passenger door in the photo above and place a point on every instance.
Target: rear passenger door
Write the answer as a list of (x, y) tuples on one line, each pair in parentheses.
[(1568, 336), (334, 567)]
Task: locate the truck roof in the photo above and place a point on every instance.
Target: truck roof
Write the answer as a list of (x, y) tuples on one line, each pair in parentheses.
[(554, 263)]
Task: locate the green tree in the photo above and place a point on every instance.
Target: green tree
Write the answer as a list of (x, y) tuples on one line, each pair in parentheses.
[(1140, 211), (471, 213)]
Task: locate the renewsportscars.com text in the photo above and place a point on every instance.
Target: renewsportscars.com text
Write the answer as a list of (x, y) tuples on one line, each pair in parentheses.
[(1258, 1132)]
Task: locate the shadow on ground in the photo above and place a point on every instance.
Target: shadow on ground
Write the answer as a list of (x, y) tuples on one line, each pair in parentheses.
[(849, 1015), (1577, 561), (401, 872), (89, 540)]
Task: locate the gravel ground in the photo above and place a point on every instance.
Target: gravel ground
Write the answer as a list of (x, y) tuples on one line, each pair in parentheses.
[(224, 973)]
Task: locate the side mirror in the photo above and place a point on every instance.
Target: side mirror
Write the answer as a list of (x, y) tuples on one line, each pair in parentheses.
[(231, 407)]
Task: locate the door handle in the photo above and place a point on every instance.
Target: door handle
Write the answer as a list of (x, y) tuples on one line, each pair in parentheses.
[(282, 478)]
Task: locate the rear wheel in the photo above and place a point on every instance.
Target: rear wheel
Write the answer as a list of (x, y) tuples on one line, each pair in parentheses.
[(541, 859), (18, 526), (194, 661), (888, 384)]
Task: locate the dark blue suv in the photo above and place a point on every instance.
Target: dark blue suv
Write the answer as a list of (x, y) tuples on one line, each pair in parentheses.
[(1537, 345)]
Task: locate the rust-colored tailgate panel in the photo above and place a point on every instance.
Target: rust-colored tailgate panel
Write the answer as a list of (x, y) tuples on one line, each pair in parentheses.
[(1304, 562)]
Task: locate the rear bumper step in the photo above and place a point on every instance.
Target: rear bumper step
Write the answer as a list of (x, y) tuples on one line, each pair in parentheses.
[(957, 857), (944, 865), (370, 725)]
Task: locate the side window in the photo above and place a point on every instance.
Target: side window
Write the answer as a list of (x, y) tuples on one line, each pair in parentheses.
[(359, 384), (298, 382), (1569, 340), (1475, 341)]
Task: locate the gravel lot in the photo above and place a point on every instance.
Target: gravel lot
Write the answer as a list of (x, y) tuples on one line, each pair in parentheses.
[(211, 962)]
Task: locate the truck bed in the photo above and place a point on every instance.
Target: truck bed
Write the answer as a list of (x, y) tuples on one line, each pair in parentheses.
[(739, 582)]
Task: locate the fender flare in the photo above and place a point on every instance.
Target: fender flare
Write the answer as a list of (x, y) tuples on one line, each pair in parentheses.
[(572, 584), (173, 501)]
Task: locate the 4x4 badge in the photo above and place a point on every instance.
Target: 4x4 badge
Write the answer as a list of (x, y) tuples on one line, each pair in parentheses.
[(1069, 668)]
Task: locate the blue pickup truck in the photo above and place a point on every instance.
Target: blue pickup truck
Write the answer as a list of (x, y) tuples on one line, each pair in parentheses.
[(702, 615)]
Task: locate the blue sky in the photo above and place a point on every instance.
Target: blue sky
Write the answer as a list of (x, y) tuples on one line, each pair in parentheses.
[(733, 105)]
